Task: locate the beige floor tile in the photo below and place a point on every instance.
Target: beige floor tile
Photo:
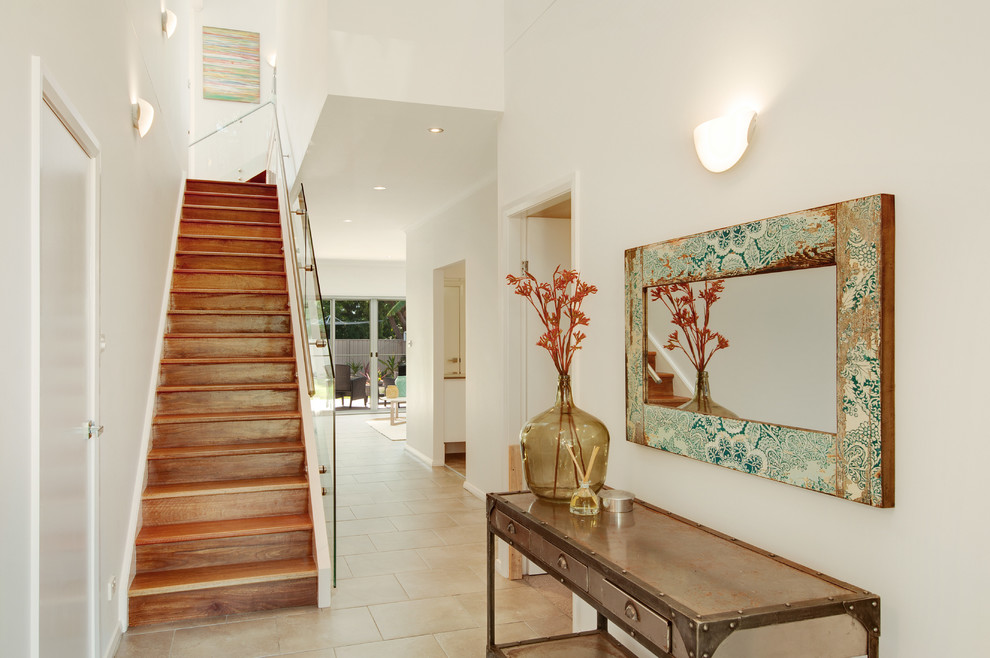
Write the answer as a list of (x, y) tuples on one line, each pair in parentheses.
[(468, 517), (202, 621), (470, 643), (344, 513), (514, 604), (466, 534), (439, 505), (423, 521), (379, 510), (391, 476), (463, 555), (363, 527), (446, 491), (245, 639), (357, 592), (549, 626), (396, 541), (377, 564), (265, 614), (423, 646), (354, 545), (343, 571), (145, 645), (440, 582), (422, 616), (360, 488), (150, 628), (319, 653), (397, 496), (326, 629)]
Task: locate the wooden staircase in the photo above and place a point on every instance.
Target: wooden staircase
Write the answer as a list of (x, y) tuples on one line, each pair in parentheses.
[(226, 524), (661, 392)]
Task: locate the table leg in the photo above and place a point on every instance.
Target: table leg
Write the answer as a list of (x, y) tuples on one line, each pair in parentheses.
[(491, 590)]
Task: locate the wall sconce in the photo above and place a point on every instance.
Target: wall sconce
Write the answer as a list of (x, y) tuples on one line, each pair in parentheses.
[(272, 59), (142, 115), (721, 142), (169, 21)]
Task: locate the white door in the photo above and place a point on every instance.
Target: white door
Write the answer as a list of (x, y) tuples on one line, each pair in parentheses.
[(547, 245), (67, 393)]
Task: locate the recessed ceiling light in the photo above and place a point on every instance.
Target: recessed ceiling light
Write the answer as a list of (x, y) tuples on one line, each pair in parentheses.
[(379, 187), (348, 221), (435, 131)]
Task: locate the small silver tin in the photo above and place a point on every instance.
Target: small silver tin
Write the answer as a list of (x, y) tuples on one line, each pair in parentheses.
[(616, 501)]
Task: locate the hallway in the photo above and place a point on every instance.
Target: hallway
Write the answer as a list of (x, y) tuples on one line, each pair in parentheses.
[(410, 579)]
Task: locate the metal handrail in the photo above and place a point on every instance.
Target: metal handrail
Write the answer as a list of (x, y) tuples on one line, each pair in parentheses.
[(233, 121)]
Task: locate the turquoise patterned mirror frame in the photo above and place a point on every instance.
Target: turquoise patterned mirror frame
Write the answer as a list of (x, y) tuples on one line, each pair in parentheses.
[(855, 463)]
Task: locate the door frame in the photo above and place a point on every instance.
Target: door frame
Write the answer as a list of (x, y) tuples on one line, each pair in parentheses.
[(45, 91), (511, 235)]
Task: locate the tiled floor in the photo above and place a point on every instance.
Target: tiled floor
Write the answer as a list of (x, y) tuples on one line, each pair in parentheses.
[(410, 578)]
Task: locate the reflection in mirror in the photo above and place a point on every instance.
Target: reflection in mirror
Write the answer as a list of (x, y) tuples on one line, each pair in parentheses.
[(779, 366)]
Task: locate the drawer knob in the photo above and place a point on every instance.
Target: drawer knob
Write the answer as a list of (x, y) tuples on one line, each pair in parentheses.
[(511, 528), (562, 563), (631, 612)]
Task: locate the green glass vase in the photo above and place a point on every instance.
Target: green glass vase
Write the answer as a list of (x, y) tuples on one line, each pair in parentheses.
[(702, 403), (550, 472)]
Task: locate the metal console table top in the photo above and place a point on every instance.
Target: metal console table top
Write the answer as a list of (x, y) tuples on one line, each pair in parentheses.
[(681, 589)]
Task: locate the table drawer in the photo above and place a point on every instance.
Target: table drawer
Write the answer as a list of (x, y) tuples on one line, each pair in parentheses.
[(517, 533), (560, 562), (640, 618)]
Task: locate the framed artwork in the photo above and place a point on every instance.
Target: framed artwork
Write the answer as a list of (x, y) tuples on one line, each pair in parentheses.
[(813, 404), (231, 65)]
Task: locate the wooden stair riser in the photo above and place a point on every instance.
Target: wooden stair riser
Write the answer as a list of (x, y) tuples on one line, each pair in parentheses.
[(217, 507), (229, 187), (238, 599), (244, 345), (237, 245), (211, 469), (198, 402), (227, 281), (228, 323), (231, 200), (233, 214), (175, 435), (232, 262), (189, 227), (194, 374), (664, 387), (226, 550), (233, 301)]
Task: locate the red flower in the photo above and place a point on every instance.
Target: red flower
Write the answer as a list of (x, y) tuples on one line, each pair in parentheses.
[(680, 299), (555, 301)]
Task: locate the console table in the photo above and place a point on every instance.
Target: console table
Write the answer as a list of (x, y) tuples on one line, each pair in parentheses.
[(682, 590)]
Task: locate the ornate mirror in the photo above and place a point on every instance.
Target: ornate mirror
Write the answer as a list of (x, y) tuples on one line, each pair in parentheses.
[(767, 347)]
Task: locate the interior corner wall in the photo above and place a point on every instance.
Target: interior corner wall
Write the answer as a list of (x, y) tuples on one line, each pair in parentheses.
[(854, 99), (467, 231), (438, 52), (362, 278), (101, 54)]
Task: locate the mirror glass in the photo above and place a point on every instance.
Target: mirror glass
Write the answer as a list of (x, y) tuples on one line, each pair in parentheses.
[(780, 365)]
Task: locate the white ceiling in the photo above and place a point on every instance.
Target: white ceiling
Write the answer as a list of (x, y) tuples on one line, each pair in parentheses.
[(360, 143)]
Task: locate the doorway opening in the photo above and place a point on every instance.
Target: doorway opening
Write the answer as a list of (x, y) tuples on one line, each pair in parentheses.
[(454, 341)]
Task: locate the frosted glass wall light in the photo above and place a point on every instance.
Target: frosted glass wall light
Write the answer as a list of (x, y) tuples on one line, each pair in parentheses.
[(142, 115), (169, 21), (722, 141)]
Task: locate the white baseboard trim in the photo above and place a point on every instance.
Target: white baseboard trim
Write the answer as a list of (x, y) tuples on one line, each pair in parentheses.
[(474, 491), (419, 455), (118, 634)]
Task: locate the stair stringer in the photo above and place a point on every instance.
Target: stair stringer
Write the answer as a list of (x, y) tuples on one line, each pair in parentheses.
[(321, 545)]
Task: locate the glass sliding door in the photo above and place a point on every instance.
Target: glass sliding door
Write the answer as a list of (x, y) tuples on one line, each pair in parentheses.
[(391, 348)]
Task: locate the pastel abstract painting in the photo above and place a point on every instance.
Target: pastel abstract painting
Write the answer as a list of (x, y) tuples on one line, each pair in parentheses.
[(231, 65)]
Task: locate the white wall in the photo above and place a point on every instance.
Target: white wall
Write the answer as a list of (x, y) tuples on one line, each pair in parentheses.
[(362, 278), (855, 99), (467, 231), (441, 52), (101, 53)]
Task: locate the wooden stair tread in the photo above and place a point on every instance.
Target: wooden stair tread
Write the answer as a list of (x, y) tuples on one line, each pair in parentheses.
[(225, 254), (183, 270), (221, 360), (192, 388), (192, 452), (173, 419), (223, 194), (239, 184), (205, 236), (217, 487), (224, 311), (667, 399), (184, 580), (236, 208), (262, 525), (236, 222), (227, 335), (227, 291)]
